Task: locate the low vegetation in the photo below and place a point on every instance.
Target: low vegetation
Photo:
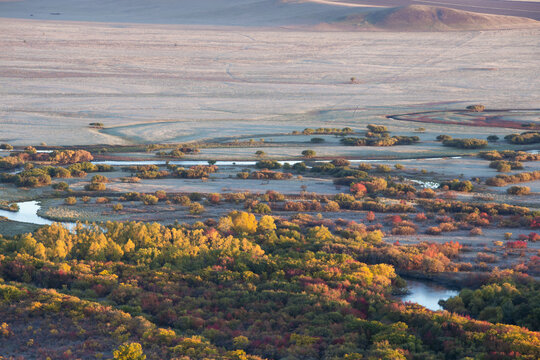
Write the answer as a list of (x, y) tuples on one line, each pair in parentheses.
[(211, 291)]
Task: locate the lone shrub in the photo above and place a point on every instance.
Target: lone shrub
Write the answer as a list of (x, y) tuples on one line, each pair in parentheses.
[(476, 108), (196, 208), (149, 199), (308, 154), (62, 186), (70, 200)]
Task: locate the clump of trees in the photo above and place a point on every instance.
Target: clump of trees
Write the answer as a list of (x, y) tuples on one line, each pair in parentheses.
[(268, 164), (457, 185), (507, 298), (443, 138), (70, 156), (10, 162), (179, 152), (18, 159), (502, 180), (265, 174), (97, 183), (195, 172), (380, 141), (148, 199), (377, 129), (518, 190), (326, 131), (509, 155), (148, 171), (506, 166), (466, 143), (61, 186), (528, 137), (35, 177)]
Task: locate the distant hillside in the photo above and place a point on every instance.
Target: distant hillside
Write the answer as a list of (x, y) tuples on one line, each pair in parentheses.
[(429, 18), (267, 13), (307, 14)]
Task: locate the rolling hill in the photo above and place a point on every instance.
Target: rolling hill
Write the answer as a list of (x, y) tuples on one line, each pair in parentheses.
[(429, 18)]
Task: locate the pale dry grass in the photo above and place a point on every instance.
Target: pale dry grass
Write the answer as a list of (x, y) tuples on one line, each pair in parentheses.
[(187, 83)]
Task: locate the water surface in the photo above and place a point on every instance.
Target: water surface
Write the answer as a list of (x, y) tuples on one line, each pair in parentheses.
[(28, 214), (427, 294)]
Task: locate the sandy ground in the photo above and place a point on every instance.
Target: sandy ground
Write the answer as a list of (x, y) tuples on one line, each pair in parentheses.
[(198, 83)]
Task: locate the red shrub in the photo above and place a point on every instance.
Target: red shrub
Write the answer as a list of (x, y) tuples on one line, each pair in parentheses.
[(358, 189), (421, 217), (214, 198), (534, 237), (434, 230), (518, 244), (394, 219)]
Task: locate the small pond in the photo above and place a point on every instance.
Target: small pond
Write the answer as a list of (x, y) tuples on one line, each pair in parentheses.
[(427, 294)]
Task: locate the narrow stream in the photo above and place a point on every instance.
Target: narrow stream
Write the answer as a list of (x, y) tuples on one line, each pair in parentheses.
[(230, 162)]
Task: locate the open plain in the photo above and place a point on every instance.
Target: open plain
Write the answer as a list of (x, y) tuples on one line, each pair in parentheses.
[(159, 84)]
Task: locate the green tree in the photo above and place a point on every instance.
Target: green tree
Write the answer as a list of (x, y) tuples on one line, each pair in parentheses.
[(308, 154), (241, 342)]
